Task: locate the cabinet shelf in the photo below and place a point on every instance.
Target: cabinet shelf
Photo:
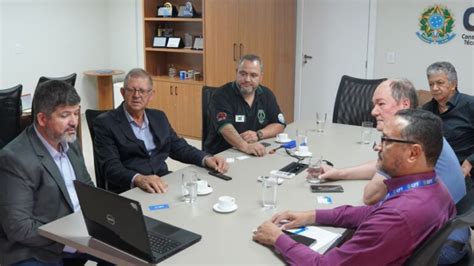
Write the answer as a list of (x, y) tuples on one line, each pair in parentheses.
[(177, 80), (173, 19), (178, 50)]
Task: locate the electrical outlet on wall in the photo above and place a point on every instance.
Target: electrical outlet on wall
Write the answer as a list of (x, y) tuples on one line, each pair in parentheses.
[(390, 57)]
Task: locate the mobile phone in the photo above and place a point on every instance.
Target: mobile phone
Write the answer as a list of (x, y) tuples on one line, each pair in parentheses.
[(219, 175), (326, 188), (307, 241), (265, 144)]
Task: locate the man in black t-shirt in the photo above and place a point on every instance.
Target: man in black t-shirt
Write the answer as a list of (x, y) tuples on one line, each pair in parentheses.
[(243, 112)]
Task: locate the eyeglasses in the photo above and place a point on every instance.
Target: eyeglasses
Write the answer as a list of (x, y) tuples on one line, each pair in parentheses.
[(387, 139), (140, 91)]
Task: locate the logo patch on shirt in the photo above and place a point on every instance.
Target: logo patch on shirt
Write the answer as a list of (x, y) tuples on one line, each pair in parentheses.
[(240, 118), (261, 116), (221, 116), (281, 118)]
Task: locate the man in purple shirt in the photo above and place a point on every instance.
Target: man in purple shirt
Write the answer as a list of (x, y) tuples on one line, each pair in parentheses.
[(386, 233)]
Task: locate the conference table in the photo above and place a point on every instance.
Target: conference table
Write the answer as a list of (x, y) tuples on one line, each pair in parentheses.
[(227, 238)]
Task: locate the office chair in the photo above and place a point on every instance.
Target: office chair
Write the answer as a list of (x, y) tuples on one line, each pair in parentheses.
[(423, 97), (69, 79), (101, 180), (206, 95), (354, 100), (428, 251), (10, 114)]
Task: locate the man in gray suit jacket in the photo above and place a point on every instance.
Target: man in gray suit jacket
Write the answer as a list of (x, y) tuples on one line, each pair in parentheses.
[(37, 170)]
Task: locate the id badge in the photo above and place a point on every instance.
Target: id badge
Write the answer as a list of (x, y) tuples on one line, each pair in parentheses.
[(240, 118)]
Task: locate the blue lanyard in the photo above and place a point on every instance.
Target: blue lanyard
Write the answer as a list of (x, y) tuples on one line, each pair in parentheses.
[(417, 184)]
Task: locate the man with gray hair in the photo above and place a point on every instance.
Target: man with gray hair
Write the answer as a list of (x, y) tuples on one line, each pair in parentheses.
[(37, 170), (132, 141), (243, 112), (389, 232), (389, 97), (456, 109)]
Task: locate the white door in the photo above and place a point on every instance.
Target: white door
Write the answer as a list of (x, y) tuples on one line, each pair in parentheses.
[(335, 35)]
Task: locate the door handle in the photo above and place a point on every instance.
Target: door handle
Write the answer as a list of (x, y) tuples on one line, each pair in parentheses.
[(240, 51), (233, 51), (176, 90), (306, 58), (171, 90)]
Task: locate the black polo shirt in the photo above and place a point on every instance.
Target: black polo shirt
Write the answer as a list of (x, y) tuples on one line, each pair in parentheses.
[(227, 106), (458, 124)]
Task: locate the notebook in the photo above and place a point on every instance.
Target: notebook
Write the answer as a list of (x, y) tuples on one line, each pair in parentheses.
[(120, 223)]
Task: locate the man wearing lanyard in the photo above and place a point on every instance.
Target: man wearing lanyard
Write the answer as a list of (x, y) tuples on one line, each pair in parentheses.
[(386, 233), (243, 112), (37, 170), (389, 97)]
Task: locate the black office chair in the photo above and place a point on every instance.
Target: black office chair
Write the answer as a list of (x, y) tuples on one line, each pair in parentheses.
[(101, 180), (354, 100), (69, 79), (10, 114), (206, 95), (428, 252)]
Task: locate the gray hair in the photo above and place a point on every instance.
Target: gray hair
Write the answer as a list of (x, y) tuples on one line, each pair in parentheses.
[(51, 94), (404, 89), (444, 68), (424, 128), (138, 73), (252, 58)]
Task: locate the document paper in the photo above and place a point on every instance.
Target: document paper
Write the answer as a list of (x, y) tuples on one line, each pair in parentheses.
[(323, 237)]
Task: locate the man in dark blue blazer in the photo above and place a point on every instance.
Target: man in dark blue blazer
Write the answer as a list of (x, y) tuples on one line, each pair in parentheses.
[(132, 142)]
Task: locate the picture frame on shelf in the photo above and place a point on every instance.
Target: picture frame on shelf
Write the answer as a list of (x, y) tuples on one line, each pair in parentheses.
[(174, 42), (198, 43), (159, 42)]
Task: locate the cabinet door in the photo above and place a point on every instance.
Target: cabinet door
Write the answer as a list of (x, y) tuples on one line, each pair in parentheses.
[(257, 24), (221, 41), (188, 110), (164, 99)]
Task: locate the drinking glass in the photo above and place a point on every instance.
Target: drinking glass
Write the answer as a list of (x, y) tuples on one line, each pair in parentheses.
[(314, 170), (320, 121), (367, 127), (269, 191), (189, 186)]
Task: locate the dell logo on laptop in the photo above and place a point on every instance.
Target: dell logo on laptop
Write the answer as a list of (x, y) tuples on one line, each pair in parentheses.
[(110, 219)]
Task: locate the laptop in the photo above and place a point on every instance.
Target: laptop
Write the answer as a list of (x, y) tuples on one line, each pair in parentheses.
[(120, 223)]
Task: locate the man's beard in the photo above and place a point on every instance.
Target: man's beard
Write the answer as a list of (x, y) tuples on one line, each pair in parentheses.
[(65, 137), (246, 91)]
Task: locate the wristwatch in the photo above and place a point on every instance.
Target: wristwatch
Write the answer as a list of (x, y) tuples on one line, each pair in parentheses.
[(259, 134)]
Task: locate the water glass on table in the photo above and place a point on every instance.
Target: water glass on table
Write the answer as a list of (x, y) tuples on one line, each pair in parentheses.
[(269, 191), (314, 170), (189, 186), (367, 128), (320, 121)]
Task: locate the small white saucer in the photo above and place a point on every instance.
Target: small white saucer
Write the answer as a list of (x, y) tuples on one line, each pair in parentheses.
[(206, 191), (306, 154), (218, 209), (282, 141)]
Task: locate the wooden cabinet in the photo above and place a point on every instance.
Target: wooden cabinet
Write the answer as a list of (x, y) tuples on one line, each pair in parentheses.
[(182, 104), (179, 99), (233, 28), (230, 28)]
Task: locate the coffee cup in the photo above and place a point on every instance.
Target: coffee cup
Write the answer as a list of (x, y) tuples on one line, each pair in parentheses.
[(303, 150), (226, 202), (202, 185), (282, 137)]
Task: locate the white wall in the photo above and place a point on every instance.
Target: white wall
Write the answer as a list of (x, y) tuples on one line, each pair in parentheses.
[(58, 37), (397, 23)]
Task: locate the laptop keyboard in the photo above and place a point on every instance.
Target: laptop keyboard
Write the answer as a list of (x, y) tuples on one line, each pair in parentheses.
[(294, 167), (161, 244)]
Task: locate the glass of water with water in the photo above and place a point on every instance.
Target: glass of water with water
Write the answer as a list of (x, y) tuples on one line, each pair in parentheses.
[(189, 186)]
